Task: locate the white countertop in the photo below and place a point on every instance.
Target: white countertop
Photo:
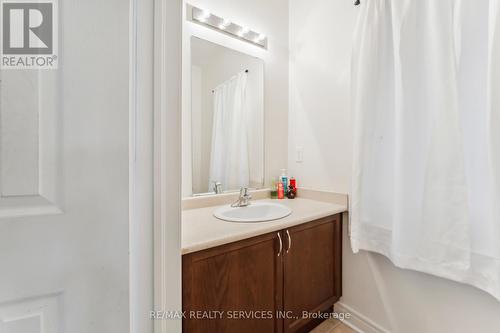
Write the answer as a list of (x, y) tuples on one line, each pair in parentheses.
[(201, 230)]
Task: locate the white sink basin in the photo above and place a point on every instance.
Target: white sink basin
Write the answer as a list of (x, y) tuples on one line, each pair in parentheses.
[(255, 212)]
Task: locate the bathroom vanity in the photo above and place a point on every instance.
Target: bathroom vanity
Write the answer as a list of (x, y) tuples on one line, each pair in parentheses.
[(261, 277), (268, 267)]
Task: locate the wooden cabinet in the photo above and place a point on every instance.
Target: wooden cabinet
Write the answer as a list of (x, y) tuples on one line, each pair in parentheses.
[(242, 276), (264, 284), (312, 271)]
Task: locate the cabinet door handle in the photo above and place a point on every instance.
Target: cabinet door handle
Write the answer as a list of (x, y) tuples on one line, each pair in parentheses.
[(289, 241), (281, 244)]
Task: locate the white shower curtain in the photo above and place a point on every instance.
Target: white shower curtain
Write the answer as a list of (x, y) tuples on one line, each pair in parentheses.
[(426, 101), (229, 155)]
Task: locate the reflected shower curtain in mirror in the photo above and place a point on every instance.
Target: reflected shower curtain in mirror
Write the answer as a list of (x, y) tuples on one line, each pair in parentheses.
[(229, 162), (426, 103)]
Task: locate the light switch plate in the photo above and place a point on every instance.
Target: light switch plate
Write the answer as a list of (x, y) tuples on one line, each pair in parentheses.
[(299, 154)]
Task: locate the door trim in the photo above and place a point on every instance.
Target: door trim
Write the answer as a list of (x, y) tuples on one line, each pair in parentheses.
[(141, 165), (155, 163), (167, 161)]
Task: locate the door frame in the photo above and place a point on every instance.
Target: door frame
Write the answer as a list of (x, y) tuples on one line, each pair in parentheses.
[(167, 161), (155, 36)]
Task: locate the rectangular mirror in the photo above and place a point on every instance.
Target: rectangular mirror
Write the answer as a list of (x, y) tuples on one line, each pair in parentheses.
[(227, 119)]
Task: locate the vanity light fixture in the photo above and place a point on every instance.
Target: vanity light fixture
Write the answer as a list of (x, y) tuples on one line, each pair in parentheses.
[(207, 19)]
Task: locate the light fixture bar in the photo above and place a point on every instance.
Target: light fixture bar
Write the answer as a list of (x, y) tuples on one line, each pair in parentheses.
[(206, 18)]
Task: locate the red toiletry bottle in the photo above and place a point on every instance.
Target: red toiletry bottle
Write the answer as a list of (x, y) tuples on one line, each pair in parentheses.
[(281, 191), (292, 189)]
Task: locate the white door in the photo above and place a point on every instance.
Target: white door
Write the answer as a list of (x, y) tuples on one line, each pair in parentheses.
[(64, 182)]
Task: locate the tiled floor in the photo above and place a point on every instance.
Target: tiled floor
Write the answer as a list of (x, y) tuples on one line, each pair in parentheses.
[(332, 326)]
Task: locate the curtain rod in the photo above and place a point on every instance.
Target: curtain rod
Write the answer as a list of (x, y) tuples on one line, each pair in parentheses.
[(246, 71)]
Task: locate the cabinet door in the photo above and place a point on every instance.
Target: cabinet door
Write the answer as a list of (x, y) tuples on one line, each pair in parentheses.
[(312, 271), (244, 276)]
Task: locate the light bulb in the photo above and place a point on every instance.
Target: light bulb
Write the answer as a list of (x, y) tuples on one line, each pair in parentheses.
[(205, 14), (225, 23), (243, 31)]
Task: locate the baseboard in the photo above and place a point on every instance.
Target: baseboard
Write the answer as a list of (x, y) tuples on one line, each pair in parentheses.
[(357, 321)]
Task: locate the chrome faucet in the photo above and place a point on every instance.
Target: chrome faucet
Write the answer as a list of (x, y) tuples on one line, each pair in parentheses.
[(217, 187), (243, 199)]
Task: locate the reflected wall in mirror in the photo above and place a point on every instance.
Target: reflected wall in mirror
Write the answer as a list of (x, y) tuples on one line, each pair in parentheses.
[(227, 118)]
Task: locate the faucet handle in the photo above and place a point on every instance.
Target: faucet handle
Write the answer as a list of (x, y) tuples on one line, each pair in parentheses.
[(247, 196), (243, 199), (217, 187), (244, 192)]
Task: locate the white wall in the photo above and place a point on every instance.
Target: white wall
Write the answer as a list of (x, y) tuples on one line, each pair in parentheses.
[(398, 300), (271, 19), (320, 35)]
